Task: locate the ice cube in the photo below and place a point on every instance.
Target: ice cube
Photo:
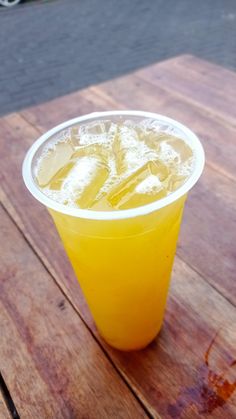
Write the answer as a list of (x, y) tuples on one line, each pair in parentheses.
[(120, 191), (88, 196), (159, 169), (180, 146), (119, 153), (97, 132), (127, 195), (101, 205), (56, 182), (151, 185), (52, 161), (140, 188), (85, 180), (129, 152), (168, 154), (128, 137), (74, 136), (151, 138), (138, 200), (149, 190), (97, 150), (175, 181), (112, 133), (119, 159)]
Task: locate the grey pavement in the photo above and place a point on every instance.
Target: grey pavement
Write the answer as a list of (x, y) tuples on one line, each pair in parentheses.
[(51, 48)]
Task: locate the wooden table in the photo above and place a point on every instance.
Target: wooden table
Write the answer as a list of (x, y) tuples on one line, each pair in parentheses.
[(53, 362)]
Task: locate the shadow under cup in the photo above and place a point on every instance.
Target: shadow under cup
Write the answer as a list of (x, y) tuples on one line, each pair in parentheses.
[(122, 259)]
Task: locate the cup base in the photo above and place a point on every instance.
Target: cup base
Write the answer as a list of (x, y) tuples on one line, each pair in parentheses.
[(129, 347)]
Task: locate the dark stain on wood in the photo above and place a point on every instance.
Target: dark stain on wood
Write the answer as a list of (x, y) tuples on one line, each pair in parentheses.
[(61, 305), (211, 391)]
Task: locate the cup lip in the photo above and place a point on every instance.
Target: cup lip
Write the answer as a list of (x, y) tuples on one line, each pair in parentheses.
[(117, 214)]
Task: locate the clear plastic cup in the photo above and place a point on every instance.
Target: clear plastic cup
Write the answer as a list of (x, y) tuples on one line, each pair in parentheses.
[(122, 259)]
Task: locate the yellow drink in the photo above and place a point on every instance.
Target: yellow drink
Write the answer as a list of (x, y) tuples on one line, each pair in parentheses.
[(122, 250), (124, 268)]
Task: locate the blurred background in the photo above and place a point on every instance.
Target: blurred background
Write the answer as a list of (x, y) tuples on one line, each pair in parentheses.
[(51, 48)]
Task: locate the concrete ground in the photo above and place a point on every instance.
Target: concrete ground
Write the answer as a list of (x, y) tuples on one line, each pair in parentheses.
[(50, 48)]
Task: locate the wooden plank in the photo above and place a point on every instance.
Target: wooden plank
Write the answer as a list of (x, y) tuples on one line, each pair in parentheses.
[(195, 87), (218, 137), (53, 367), (171, 375), (49, 114), (211, 72), (158, 373), (211, 203), (208, 231)]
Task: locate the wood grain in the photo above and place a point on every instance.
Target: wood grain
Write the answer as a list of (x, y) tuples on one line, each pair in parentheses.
[(209, 230), (219, 78), (195, 86), (49, 114), (54, 369)]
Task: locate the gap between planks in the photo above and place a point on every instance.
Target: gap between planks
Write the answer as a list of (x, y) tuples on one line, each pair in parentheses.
[(9, 402)]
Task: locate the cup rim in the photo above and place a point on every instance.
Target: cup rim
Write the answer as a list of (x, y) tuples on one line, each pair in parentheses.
[(117, 214)]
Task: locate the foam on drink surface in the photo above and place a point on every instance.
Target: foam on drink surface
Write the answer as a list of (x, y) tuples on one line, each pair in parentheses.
[(113, 166)]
